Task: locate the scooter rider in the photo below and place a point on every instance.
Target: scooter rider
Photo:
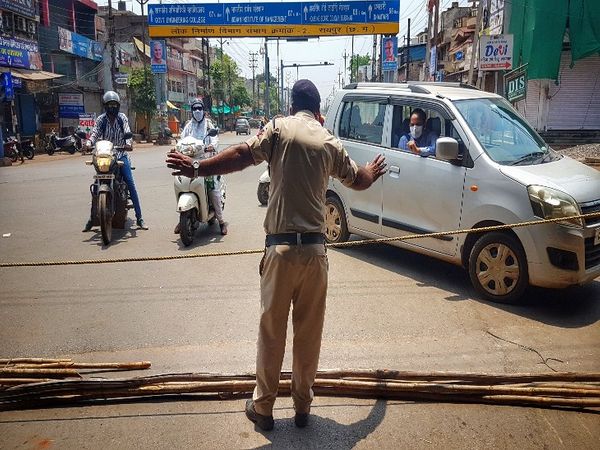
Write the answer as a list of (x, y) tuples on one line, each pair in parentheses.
[(112, 126), (197, 127)]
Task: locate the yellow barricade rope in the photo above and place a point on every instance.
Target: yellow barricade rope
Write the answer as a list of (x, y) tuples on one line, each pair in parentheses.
[(261, 250)]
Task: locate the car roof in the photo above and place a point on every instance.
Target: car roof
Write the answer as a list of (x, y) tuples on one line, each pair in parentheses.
[(452, 91)]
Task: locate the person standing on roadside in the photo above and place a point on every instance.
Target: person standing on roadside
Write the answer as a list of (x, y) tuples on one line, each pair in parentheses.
[(302, 155)]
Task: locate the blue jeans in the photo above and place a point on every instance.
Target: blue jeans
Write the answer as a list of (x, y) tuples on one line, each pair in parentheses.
[(128, 177)]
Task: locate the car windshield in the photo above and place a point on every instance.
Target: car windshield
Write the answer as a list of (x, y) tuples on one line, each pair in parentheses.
[(505, 136)]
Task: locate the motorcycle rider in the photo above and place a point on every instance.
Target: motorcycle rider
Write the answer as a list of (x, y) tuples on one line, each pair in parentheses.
[(197, 127), (112, 126)]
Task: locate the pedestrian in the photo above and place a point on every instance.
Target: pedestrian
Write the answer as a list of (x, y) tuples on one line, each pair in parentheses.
[(302, 155)]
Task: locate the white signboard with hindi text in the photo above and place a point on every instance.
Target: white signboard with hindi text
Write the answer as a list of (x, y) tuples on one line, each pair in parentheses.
[(496, 52)]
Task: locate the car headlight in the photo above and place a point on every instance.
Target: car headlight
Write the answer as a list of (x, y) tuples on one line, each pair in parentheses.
[(103, 163), (549, 203)]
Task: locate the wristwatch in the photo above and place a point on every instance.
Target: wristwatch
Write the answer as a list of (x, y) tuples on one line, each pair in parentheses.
[(196, 166)]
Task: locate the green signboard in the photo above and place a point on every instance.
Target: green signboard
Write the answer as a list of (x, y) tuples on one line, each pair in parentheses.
[(515, 84)]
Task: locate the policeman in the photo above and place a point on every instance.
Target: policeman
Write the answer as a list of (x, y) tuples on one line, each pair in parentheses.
[(302, 155)]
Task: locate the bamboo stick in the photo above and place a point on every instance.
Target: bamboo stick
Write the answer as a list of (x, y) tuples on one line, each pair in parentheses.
[(57, 373), (74, 365), (17, 381), (32, 360)]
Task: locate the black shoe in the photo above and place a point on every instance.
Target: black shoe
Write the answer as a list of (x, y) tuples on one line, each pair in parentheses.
[(177, 229), (88, 226), (141, 224), (301, 419), (265, 423)]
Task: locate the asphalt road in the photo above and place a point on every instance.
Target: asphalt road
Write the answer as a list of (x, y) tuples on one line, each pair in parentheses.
[(387, 308)]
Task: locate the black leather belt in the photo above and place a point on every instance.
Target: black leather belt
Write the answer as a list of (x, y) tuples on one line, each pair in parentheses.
[(294, 239)]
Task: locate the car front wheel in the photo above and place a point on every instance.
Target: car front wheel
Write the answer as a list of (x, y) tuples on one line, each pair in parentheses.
[(335, 221), (498, 268)]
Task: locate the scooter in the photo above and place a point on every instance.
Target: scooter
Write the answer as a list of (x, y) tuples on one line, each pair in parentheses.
[(69, 144), (109, 191), (193, 203), (262, 192), (15, 149)]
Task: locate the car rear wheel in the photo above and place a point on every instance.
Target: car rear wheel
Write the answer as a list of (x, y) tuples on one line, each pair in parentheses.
[(498, 268), (335, 221)]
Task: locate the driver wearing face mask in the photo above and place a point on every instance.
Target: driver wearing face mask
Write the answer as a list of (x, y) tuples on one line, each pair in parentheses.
[(198, 128), (419, 140)]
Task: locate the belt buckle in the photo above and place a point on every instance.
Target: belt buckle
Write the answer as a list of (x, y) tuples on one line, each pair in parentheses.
[(298, 238)]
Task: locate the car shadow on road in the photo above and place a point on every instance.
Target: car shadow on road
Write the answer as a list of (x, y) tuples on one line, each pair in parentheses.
[(323, 432), (573, 307)]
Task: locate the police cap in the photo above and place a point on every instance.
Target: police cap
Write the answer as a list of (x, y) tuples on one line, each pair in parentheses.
[(305, 95)]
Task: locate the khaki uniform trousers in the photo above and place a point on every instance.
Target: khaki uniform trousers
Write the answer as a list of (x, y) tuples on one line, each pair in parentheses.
[(293, 275)]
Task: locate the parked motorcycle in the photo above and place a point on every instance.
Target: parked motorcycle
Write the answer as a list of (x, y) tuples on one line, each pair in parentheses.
[(263, 188), (15, 149), (193, 203), (71, 144), (110, 194)]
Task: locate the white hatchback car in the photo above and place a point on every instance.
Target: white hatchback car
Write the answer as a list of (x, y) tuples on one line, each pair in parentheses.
[(489, 168)]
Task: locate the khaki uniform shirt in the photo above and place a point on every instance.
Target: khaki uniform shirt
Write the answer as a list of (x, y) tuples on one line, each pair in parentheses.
[(302, 160)]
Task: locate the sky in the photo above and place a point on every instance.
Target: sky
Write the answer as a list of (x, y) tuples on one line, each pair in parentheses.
[(329, 49)]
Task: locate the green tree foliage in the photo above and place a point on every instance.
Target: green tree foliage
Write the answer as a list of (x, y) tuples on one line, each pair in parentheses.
[(143, 96), (227, 85), (355, 62)]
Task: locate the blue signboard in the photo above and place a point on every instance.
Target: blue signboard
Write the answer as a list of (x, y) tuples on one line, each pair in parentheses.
[(79, 45), (17, 82), (162, 18), (158, 56), (389, 52), (18, 53), (22, 7), (459, 55), (7, 85), (70, 111)]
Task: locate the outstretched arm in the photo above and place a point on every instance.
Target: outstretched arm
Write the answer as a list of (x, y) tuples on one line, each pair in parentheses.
[(232, 159), (367, 175)]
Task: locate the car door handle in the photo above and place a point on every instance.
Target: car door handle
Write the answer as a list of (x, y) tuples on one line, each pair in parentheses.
[(394, 169)]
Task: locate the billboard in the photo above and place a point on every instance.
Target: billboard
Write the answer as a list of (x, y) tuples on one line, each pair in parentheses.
[(389, 53), (496, 52), (22, 7), (19, 53), (281, 19), (70, 105), (79, 45), (158, 56)]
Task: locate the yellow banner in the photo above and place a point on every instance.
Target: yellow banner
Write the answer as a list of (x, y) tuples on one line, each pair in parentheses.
[(272, 30)]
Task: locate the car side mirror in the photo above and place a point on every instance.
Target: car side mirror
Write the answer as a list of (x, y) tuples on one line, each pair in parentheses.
[(446, 148), (213, 132), (80, 134), (128, 135)]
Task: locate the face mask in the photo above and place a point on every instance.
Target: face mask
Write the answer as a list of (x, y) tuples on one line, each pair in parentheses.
[(198, 115), (416, 131), (112, 111)]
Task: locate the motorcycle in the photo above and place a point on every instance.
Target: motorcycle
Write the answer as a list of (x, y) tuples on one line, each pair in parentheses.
[(71, 143), (263, 188), (15, 149), (110, 195), (193, 203)]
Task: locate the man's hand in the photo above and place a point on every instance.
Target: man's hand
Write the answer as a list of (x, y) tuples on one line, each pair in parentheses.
[(209, 149), (181, 163), (377, 167), (367, 175), (128, 147), (413, 147)]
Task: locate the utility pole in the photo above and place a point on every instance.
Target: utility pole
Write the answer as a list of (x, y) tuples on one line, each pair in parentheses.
[(435, 34), (475, 42), (351, 62), (253, 56), (345, 55), (407, 48), (373, 59), (142, 3), (267, 82), (111, 43), (279, 102), (340, 79), (428, 50)]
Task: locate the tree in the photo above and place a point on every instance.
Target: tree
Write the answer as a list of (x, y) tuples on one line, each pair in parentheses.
[(240, 94), (355, 62), (143, 95)]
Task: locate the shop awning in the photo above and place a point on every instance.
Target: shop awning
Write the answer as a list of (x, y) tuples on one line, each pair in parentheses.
[(172, 106), (140, 46), (32, 75)]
